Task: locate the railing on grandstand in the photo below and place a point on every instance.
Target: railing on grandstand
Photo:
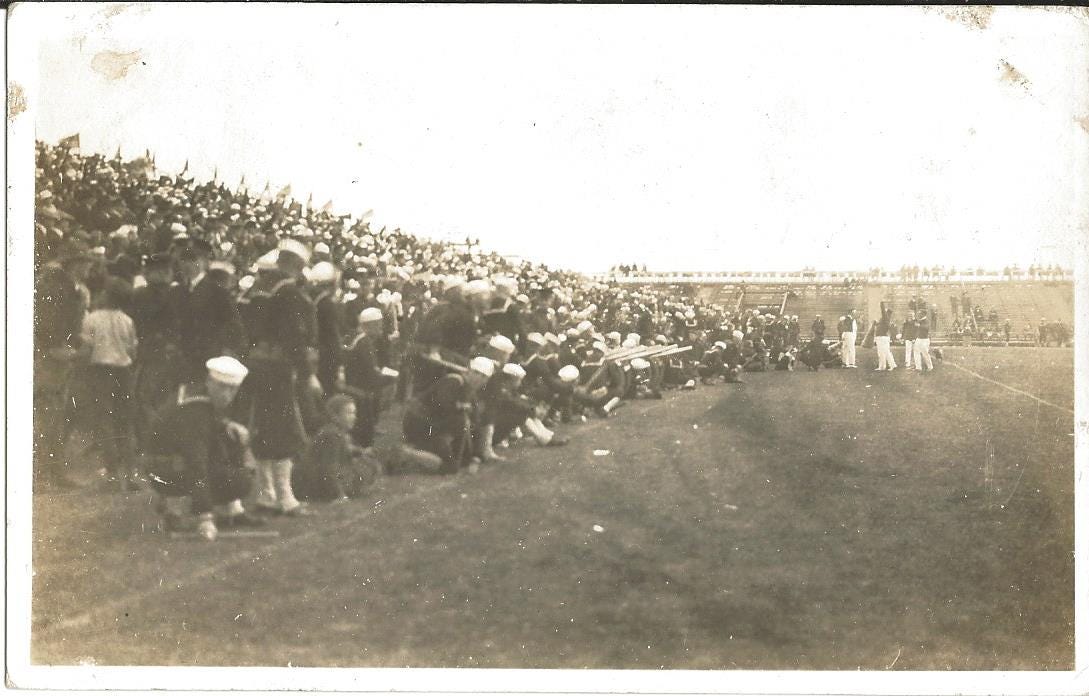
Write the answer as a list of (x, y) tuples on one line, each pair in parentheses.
[(845, 279)]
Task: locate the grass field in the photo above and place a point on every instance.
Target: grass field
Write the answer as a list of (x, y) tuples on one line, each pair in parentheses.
[(829, 520)]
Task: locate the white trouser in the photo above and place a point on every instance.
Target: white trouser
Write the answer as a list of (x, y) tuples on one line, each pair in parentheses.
[(922, 354), (274, 485), (885, 361), (909, 358), (847, 347)]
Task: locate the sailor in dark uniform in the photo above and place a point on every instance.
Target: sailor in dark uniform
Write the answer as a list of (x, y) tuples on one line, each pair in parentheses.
[(364, 377), (280, 367), (153, 313), (438, 420), (208, 320), (202, 464), (446, 334), (323, 280)]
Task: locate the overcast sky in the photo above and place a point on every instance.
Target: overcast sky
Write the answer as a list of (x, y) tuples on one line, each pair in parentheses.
[(686, 138)]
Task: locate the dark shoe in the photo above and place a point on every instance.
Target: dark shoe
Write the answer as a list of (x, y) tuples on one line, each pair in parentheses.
[(557, 441)]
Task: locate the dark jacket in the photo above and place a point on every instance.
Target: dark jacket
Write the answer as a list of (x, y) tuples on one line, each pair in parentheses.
[(208, 321)]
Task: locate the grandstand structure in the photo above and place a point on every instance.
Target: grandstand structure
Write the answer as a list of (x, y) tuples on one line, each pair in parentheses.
[(1021, 299)]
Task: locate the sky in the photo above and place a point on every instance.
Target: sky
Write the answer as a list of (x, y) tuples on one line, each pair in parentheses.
[(684, 138)]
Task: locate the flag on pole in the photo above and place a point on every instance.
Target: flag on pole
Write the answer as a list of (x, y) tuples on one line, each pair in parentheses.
[(284, 192), (71, 142), (117, 157), (367, 214), (327, 207), (215, 175)]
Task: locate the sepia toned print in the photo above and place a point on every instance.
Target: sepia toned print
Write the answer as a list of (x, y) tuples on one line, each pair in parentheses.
[(608, 339)]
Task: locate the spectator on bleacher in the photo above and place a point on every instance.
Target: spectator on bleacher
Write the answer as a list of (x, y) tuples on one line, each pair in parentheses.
[(1006, 330)]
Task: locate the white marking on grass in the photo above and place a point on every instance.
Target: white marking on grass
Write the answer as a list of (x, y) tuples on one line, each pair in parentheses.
[(1012, 389), (87, 617)]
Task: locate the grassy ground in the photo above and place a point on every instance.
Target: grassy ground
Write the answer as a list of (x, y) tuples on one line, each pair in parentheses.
[(828, 520)]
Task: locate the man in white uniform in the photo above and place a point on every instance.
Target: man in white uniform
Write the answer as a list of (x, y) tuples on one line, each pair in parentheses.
[(848, 331)]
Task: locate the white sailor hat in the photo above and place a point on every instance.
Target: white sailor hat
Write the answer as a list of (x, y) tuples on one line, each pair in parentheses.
[(629, 343), (613, 336), (535, 338), (514, 370), (738, 335), (321, 248), (267, 262), (568, 373), (660, 338), (246, 282), (552, 338), (508, 285), (639, 364), (477, 287), (482, 365), (452, 282), (633, 337), (501, 343), (600, 346), (584, 327), (323, 272), (353, 284), (370, 314), (720, 344), (226, 370), (522, 299), (293, 246), (221, 266)]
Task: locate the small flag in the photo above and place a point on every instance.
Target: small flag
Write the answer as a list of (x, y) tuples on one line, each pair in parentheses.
[(284, 192), (71, 142), (367, 214), (327, 207)]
